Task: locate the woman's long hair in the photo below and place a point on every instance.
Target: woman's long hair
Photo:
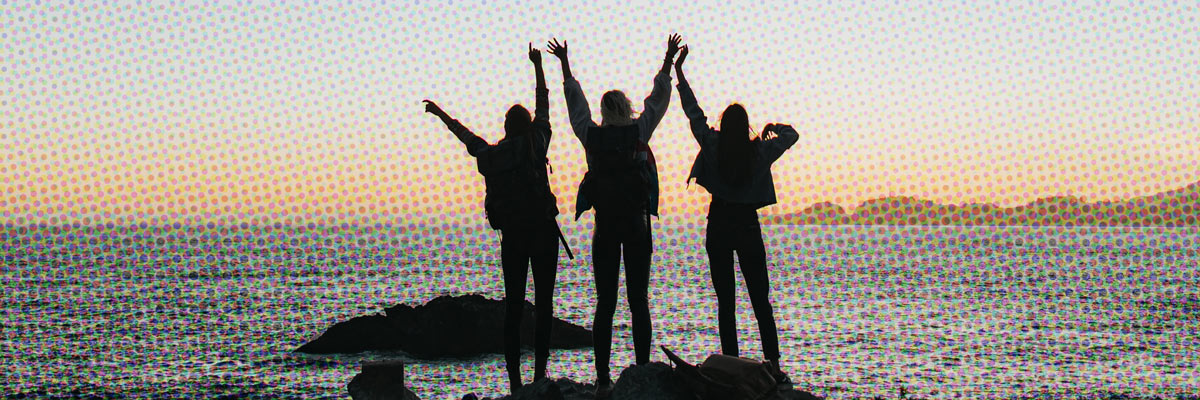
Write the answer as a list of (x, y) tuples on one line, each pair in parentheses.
[(737, 156), (518, 125), (615, 109), (517, 121)]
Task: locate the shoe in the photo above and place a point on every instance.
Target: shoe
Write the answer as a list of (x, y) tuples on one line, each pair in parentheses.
[(604, 388), (783, 381), (781, 378)]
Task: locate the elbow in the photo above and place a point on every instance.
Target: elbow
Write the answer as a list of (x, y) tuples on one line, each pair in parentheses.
[(789, 142)]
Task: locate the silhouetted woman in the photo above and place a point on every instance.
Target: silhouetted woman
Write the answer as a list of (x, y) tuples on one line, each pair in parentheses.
[(737, 172), (521, 205), (617, 226)]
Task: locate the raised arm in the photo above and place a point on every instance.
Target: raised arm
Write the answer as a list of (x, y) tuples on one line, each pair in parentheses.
[(542, 94), (577, 105), (656, 103), (777, 138), (691, 108), (475, 144)]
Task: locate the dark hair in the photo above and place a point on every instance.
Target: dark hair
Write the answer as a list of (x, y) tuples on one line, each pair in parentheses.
[(737, 156), (517, 121), (518, 125)]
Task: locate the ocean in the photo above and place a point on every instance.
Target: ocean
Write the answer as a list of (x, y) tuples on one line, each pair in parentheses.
[(939, 312)]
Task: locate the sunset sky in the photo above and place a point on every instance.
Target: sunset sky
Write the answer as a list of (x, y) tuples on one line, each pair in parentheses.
[(308, 113)]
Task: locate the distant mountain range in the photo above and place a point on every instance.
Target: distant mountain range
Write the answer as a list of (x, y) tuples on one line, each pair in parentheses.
[(1172, 208)]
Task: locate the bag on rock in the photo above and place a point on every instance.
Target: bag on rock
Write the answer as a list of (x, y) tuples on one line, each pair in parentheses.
[(727, 377)]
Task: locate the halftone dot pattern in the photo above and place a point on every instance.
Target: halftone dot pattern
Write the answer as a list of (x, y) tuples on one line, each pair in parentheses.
[(987, 200)]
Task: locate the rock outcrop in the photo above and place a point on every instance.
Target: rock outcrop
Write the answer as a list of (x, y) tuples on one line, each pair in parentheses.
[(380, 381), (546, 389), (653, 381), (461, 326)]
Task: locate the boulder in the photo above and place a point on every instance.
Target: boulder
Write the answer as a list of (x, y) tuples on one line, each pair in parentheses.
[(546, 389), (651, 381), (460, 326), (358, 334), (380, 381)]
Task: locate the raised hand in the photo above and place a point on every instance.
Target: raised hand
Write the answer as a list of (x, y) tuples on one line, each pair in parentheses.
[(558, 50), (683, 52), (768, 131), (432, 108), (535, 55), (673, 45)]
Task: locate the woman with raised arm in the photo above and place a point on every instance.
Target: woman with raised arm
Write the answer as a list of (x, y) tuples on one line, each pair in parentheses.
[(622, 185), (521, 205), (737, 172)]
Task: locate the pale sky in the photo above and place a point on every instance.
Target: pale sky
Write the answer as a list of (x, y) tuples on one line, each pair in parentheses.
[(289, 112)]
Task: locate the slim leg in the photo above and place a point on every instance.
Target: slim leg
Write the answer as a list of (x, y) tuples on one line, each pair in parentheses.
[(606, 253), (637, 284), (752, 255), (545, 270), (514, 260), (720, 267)]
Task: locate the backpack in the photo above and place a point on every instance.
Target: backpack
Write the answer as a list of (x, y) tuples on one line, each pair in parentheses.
[(517, 189), (617, 181), (726, 377)]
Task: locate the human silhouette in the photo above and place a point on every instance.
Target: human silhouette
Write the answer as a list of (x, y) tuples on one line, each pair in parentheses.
[(622, 185), (521, 205), (737, 172)]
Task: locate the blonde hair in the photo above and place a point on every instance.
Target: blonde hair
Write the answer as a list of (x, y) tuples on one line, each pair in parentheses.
[(615, 109)]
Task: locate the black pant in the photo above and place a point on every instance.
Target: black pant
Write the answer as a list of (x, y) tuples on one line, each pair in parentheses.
[(535, 243), (734, 228), (613, 234)]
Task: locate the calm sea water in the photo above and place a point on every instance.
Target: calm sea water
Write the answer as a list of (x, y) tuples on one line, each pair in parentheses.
[(862, 311)]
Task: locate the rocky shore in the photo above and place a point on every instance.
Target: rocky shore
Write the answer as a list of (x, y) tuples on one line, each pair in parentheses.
[(654, 381), (459, 326)]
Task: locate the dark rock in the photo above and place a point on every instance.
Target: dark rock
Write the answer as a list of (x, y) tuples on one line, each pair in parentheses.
[(370, 332), (380, 381), (790, 394), (545, 389), (461, 326), (651, 381)]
